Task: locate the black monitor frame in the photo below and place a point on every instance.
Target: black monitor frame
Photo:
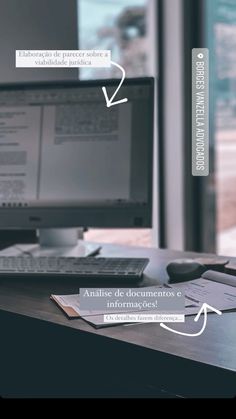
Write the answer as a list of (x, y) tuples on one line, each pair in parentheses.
[(119, 215)]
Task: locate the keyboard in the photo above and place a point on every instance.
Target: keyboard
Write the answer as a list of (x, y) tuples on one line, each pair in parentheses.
[(84, 267)]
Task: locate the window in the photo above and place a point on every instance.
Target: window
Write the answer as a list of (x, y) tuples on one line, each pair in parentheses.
[(122, 26), (222, 20)]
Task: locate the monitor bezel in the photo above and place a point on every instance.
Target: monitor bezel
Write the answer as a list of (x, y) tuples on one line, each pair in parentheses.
[(119, 215)]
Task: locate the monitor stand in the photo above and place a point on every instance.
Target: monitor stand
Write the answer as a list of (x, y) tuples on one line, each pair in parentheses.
[(56, 242)]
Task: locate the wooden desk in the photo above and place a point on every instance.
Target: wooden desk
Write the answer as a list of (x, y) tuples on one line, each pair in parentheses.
[(45, 354)]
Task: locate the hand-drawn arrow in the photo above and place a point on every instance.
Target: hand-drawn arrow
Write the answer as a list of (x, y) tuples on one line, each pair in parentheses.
[(203, 308), (109, 102)]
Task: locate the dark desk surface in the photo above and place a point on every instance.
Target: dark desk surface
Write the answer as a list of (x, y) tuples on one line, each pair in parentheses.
[(215, 347)]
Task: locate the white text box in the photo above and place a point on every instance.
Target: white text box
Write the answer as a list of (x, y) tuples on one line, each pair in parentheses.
[(62, 58)]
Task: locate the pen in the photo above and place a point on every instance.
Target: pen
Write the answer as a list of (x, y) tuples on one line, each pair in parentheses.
[(96, 251)]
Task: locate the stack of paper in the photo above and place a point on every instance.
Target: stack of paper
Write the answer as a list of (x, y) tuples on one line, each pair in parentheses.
[(70, 306), (214, 288)]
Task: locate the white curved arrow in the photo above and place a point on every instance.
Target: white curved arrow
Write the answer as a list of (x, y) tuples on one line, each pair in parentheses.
[(203, 308), (109, 102)]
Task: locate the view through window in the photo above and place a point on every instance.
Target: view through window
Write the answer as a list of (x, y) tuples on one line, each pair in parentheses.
[(120, 26), (225, 123)]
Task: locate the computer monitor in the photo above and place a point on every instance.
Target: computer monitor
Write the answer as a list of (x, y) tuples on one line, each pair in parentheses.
[(67, 160)]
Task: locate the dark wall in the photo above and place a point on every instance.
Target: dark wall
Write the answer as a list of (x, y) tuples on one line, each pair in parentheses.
[(33, 24)]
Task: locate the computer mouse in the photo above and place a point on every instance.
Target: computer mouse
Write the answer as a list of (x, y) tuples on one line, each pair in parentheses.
[(184, 270)]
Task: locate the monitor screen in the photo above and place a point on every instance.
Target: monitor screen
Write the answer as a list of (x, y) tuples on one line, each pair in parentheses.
[(68, 160)]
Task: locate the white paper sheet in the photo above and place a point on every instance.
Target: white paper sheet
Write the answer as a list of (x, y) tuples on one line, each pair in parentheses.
[(203, 290)]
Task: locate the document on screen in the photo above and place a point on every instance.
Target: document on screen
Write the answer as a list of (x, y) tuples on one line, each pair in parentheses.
[(19, 152)]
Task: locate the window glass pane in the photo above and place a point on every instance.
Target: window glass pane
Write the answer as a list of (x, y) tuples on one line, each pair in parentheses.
[(224, 30), (122, 27), (118, 25)]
